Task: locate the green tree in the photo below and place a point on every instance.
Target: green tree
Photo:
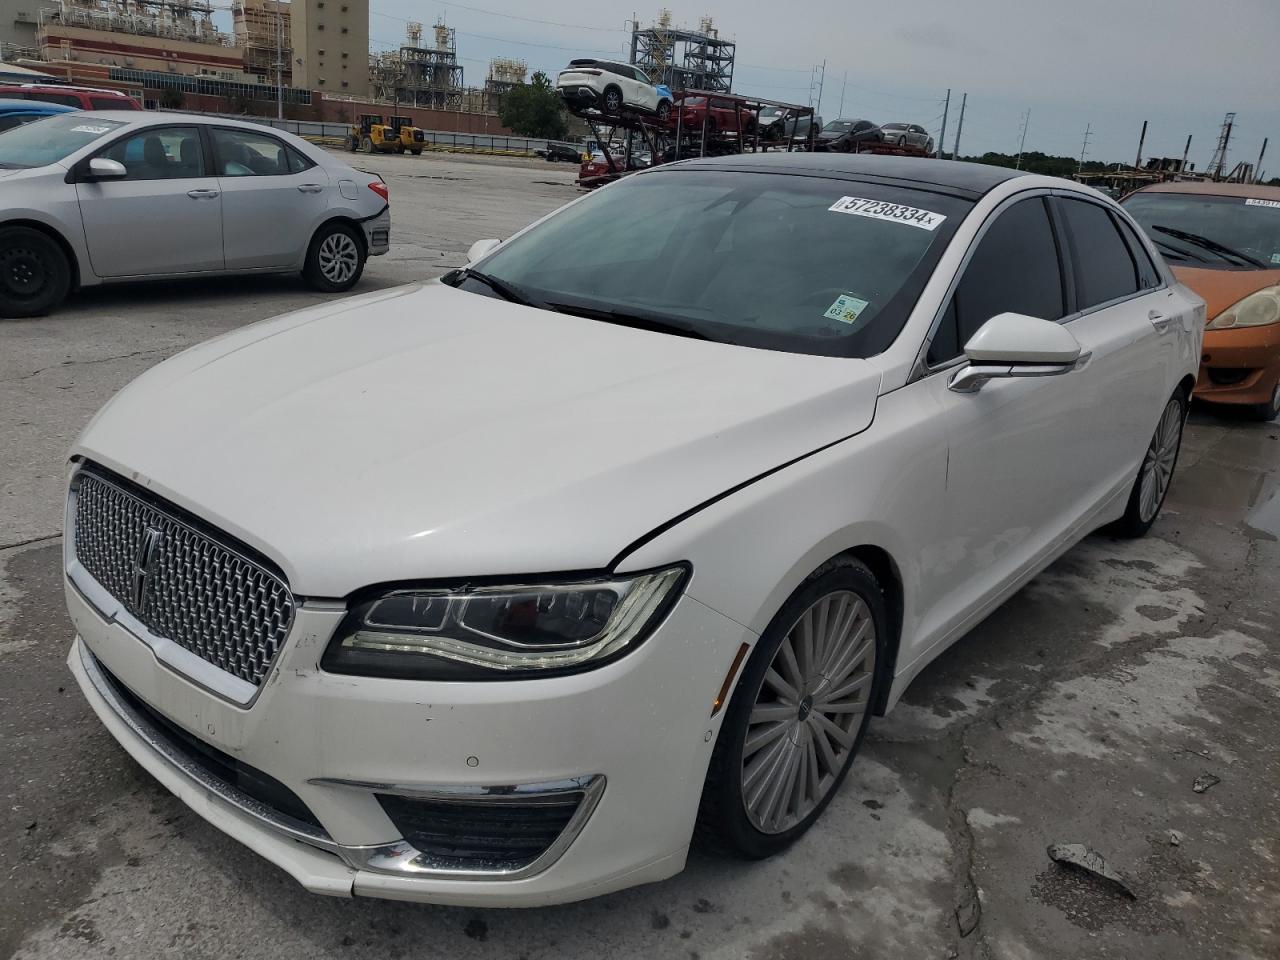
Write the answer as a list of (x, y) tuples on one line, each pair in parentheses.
[(171, 98), (534, 109)]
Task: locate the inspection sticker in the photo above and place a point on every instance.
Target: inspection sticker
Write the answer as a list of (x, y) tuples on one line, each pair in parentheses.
[(1275, 258), (884, 210), (87, 128), (1251, 202), (846, 308)]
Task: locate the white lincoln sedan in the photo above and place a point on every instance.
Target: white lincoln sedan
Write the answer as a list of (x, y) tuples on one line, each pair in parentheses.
[(503, 589)]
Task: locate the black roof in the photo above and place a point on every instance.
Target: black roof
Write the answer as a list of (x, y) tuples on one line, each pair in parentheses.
[(967, 179)]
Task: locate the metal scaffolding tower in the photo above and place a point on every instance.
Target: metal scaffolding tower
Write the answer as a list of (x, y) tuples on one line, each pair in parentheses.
[(420, 76), (1220, 152), (683, 59)]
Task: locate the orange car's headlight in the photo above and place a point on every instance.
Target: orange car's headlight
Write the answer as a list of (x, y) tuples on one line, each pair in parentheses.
[(1256, 310)]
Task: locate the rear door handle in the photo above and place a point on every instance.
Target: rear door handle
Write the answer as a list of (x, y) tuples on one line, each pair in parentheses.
[(202, 194), (1160, 321), (309, 188)]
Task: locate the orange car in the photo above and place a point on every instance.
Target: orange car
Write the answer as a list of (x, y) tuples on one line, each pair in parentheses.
[(1223, 241)]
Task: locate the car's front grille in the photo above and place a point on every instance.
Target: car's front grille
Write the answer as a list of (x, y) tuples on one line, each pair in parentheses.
[(183, 584)]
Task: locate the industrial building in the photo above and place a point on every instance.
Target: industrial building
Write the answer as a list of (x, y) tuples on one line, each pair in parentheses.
[(683, 59), (420, 75), (330, 41), (262, 31)]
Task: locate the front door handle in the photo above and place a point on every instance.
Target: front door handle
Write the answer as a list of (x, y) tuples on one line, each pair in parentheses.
[(202, 194), (309, 188), (1160, 321)]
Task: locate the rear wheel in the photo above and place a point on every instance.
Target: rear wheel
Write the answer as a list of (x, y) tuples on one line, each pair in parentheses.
[(335, 259), (34, 273), (664, 110), (798, 715), (1152, 483), (418, 152), (366, 145)]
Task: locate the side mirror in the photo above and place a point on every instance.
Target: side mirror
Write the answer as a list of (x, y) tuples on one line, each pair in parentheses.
[(480, 248), (1015, 345), (100, 168)]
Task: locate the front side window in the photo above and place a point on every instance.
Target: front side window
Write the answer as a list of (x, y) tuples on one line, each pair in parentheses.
[(1015, 269), (166, 153), (1104, 268), (1212, 232), (247, 153), (800, 264), (51, 139)]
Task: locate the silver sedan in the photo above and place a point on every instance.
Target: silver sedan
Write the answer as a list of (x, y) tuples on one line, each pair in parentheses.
[(89, 198)]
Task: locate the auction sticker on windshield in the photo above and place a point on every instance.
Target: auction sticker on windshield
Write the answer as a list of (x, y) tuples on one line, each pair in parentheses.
[(884, 210), (1254, 202), (90, 128)]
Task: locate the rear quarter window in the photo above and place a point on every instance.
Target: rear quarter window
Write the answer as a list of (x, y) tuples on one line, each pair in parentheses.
[(1104, 268), (109, 103), (66, 99)]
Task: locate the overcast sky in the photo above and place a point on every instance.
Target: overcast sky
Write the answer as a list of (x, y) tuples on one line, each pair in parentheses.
[(1180, 64)]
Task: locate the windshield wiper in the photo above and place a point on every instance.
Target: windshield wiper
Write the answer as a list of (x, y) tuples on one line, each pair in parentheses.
[(1213, 246), (1172, 251), (503, 289), (627, 318)]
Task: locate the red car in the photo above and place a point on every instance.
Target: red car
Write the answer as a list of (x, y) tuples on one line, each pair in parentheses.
[(723, 115), (82, 98)]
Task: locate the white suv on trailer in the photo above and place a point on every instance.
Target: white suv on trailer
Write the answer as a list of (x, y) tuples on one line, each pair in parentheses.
[(611, 87)]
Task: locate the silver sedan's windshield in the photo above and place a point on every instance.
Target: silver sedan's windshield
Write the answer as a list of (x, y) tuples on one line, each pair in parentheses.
[(51, 139), (797, 263)]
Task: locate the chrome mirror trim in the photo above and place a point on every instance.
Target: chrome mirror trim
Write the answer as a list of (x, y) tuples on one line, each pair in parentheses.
[(972, 376)]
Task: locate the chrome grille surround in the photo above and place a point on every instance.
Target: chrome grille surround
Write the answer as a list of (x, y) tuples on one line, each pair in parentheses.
[(178, 582)]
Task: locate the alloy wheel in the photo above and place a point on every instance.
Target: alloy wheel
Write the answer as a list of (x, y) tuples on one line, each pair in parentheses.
[(339, 257), (808, 711), (1157, 466)]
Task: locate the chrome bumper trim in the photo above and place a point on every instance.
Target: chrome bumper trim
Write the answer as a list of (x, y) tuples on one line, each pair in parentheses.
[(142, 728), (397, 858)]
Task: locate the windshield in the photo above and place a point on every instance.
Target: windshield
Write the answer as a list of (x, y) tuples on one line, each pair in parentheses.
[(1222, 233), (801, 264), (838, 126), (771, 113), (51, 139)]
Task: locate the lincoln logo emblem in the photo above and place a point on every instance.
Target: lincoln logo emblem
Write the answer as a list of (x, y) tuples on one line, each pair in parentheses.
[(147, 548)]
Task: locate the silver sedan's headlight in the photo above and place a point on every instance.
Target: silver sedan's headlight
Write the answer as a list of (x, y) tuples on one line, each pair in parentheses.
[(501, 632)]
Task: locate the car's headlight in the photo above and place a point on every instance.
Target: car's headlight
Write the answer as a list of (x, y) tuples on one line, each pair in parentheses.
[(1256, 310), (504, 632)]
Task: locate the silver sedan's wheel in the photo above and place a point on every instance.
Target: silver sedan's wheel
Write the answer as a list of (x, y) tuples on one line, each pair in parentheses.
[(338, 258), (1157, 466), (808, 711)]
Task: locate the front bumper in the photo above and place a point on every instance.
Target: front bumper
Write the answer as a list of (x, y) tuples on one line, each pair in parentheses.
[(377, 233), (1239, 365), (638, 729)]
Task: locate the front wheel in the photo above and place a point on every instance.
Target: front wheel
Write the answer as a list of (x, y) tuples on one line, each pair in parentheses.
[(366, 145), (798, 714), (613, 100), (1152, 484), (1267, 412), (34, 273), (664, 110), (335, 259)]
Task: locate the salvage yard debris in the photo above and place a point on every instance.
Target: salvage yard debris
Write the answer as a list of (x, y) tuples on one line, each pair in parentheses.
[(1082, 858), (1205, 781)]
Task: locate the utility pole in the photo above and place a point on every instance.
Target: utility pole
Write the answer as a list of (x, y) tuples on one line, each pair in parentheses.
[(1084, 147), (844, 83), (1022, 143), (279, 67), (942, 134), (1142, 138), (1185, 150), (955, 149), (1257, 171), (817, 78)]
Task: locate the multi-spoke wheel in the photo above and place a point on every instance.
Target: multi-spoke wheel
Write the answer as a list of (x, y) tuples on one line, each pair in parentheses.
[(798, 714), (1156, 472), (335, 258)]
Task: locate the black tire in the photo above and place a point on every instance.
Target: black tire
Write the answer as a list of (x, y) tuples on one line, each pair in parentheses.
[(319, 270), (612, 100), (664, 110), (723, 825), (1133, 525), (1266, 412), (416, 153), (366, 145), (35, 274)]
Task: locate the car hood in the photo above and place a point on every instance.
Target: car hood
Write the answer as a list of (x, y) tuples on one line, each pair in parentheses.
[(426, 432), (1221, 288)]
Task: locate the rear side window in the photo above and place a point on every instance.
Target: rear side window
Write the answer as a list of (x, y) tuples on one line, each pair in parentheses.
[(1104, 267), (1015, 269), (297, 162), (109, 103), (1148, 275), (66, 99), (246, 153)]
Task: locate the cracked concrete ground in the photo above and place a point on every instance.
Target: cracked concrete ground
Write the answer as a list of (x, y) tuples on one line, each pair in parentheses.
[(1082, 711)]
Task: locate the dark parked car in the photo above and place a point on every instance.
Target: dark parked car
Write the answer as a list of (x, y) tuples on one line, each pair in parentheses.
[(14, 113), (796, 129), (846, 136), (562, 151), (907, 135)]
